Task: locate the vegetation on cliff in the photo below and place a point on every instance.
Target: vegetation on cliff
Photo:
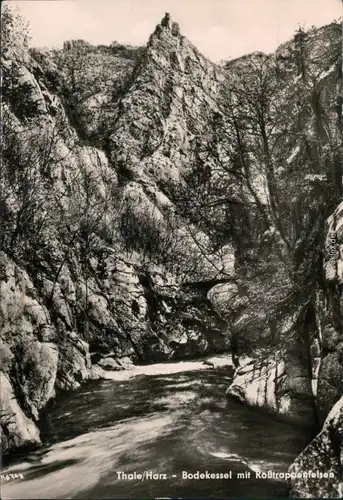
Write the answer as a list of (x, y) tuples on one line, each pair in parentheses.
[(155, 205)]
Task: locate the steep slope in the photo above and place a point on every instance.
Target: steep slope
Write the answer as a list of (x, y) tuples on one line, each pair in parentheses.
[(290, 147), (85, 277), (156, 206)]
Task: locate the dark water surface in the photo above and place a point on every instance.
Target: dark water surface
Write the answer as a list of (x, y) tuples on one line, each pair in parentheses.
[(162, 423)]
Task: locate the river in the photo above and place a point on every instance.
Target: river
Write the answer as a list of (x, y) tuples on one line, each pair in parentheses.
[(164, 419)]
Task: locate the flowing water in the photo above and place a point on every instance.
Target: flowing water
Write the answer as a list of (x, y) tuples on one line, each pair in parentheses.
[(158, 420)]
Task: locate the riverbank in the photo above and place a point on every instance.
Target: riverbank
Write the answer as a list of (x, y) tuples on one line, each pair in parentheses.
[(166, 423)]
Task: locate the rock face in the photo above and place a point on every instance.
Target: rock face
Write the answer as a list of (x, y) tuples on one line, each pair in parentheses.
[(279, 386), (331, 365), (287, 318), (267, 386), (325, 452), (93, 254), (17, 430), (149, 212), (43, 349), (324, 455)]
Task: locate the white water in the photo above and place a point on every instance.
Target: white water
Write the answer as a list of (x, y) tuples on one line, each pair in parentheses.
[(169, 368)]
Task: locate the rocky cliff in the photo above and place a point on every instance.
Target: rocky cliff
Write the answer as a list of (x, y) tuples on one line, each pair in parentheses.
[(325, 452), (157, 206), (330, 374), (98, 270), (293, 369)]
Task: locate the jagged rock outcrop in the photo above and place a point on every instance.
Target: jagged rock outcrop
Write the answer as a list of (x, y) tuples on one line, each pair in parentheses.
[(324, 455), (138, 181), (80, 293)]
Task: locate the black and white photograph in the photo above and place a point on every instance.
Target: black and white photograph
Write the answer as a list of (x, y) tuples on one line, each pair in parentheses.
[(171, 249)]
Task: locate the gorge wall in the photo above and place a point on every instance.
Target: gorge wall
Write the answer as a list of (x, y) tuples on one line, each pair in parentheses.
[(156, 206), (97, 268), (325, 452)]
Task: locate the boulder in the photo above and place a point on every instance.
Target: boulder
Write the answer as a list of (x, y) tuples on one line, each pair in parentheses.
[(110, 364), (38, 375), (323, 456), (17, 429), (276, 386)]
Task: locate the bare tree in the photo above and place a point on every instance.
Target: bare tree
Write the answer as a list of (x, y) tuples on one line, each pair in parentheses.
[(268, 176)]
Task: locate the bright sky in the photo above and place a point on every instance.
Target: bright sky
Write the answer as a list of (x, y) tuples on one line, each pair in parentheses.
[(221, 29)]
